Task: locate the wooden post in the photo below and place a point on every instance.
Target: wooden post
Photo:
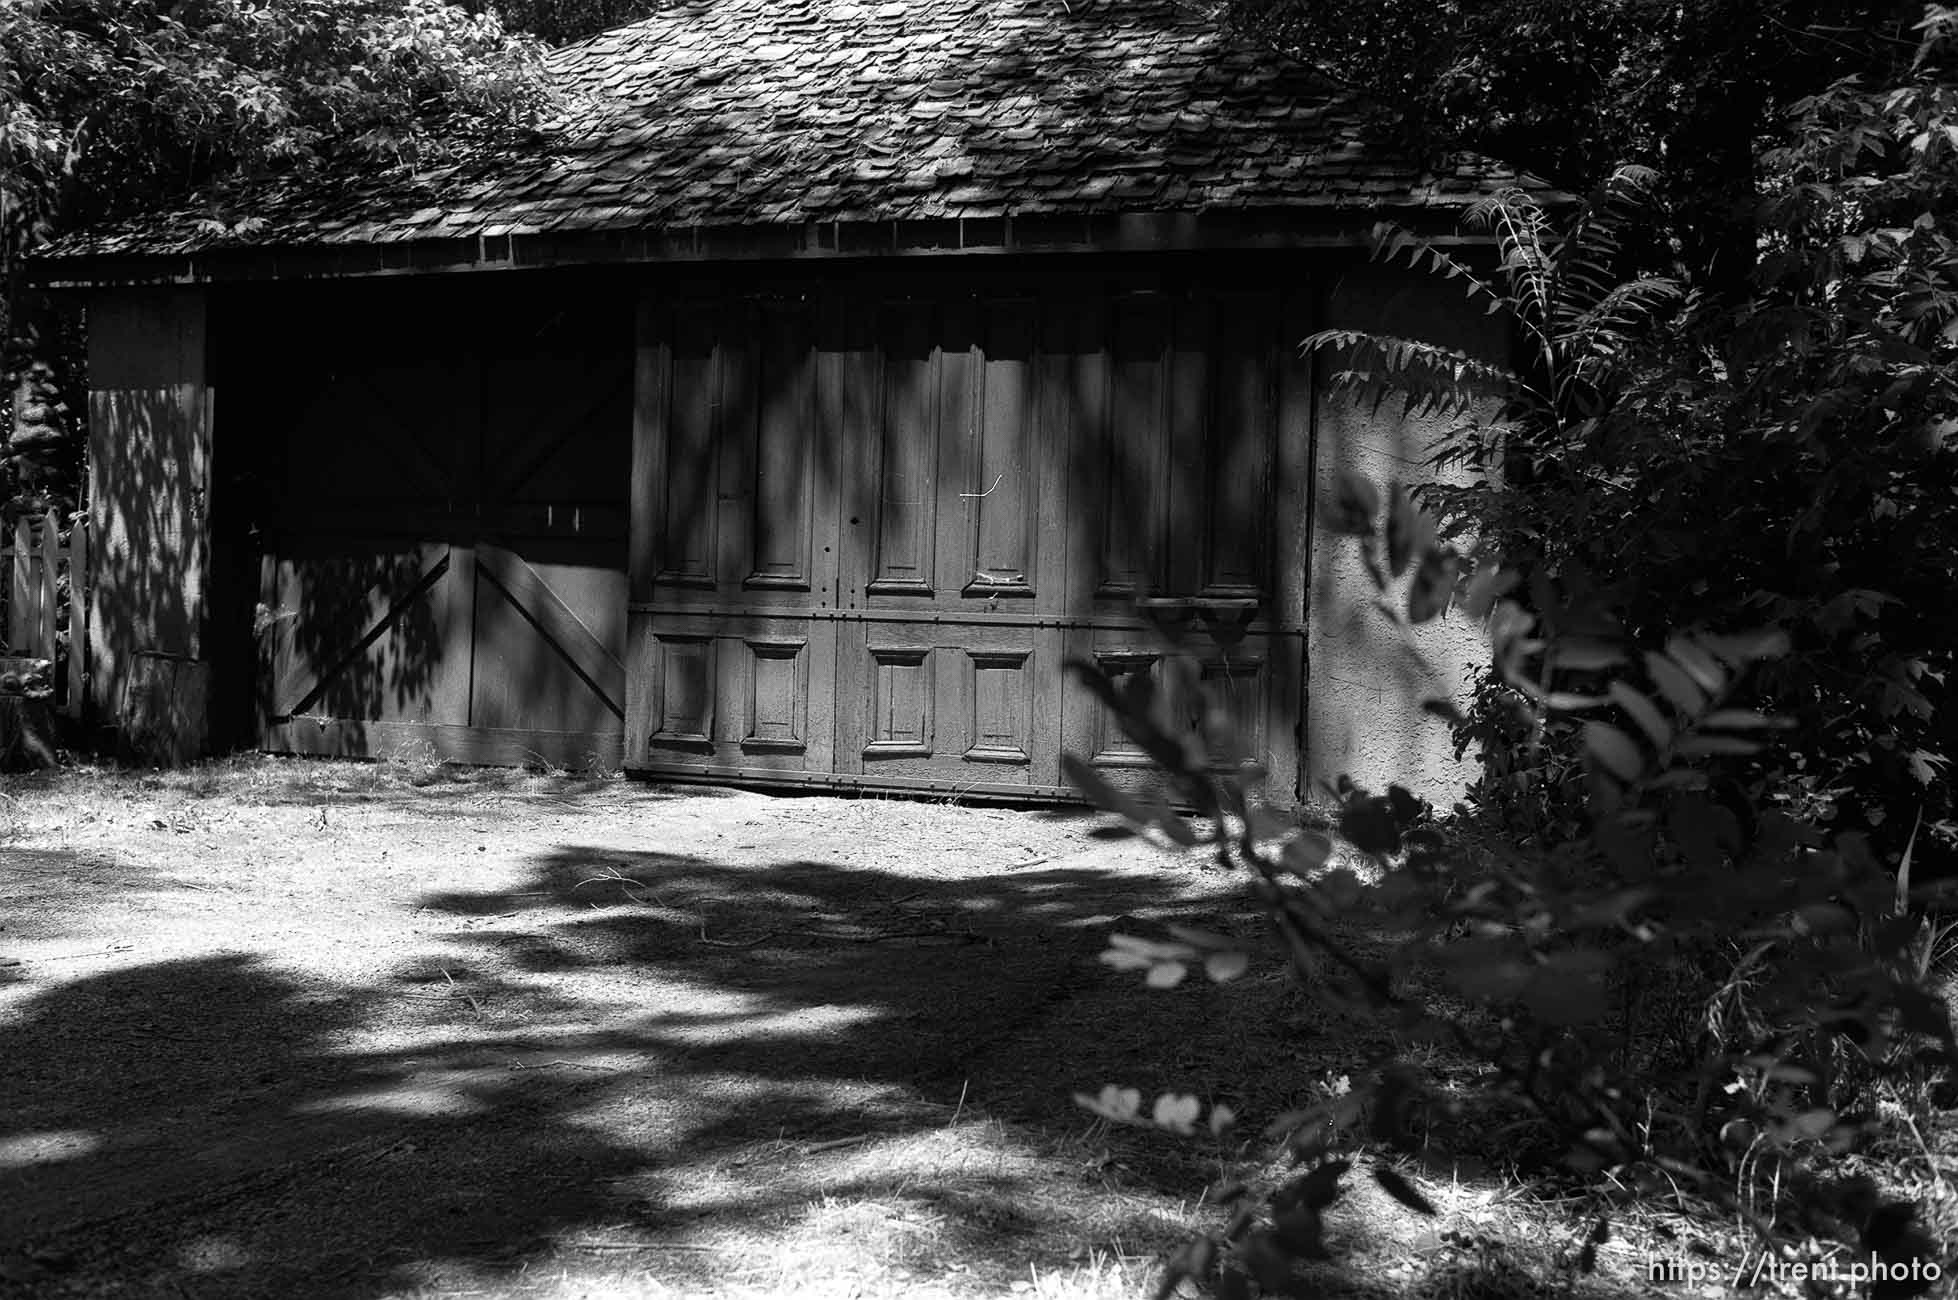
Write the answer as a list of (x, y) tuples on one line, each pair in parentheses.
[(77, 617)]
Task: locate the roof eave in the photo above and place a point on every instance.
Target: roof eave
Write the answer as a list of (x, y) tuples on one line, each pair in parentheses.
[(980, 234)]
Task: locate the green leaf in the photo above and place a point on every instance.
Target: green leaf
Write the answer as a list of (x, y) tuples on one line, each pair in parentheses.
[(1177, 1112), (1434, 583), (1490, 583), (1405, 527), (1223, 967), (1306, 853), (1315, 1189), (1745, 720), (1675, 684), (1401, 1190), (1582, 654), (1615, 750), (1354, 503), (1100, 793), (1644, 712), (1121, 1105), (1706, 746), (1445, 709), (1704, 669), (1742, 649)]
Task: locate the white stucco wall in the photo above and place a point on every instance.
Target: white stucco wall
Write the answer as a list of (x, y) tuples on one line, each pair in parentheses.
[(1366, 677)]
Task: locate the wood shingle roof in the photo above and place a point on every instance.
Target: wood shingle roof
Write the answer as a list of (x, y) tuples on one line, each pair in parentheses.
[(717, 113)]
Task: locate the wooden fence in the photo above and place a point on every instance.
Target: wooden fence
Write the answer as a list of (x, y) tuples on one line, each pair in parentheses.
[(34, 561)]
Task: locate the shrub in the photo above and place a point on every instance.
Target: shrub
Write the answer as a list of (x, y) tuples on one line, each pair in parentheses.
[(1690, 989)]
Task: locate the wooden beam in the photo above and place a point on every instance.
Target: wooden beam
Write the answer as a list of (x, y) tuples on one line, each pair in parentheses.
[(592, 658), (1272, 229)]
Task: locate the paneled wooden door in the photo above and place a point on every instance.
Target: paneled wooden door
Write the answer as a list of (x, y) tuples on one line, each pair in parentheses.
[(880, 519), (445, 552)]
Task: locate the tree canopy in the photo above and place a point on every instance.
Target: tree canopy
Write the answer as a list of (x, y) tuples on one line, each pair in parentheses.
[(1571, 90)]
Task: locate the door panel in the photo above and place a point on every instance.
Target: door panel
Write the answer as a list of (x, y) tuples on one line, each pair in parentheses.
[(989, 477)]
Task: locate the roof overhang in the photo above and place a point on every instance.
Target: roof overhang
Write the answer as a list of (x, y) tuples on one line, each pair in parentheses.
[(1241, 230)]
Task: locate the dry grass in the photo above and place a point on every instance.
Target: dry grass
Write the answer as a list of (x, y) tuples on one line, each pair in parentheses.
[(501, 1034)]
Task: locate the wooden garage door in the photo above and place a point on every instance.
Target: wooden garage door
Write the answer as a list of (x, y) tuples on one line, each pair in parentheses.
[(873, 523), (444, 569)]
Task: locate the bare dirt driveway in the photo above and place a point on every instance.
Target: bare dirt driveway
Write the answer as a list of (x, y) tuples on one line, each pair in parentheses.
[(278, 1028)]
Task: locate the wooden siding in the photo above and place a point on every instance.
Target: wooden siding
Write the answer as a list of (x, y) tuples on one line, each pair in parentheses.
[(444, 554), (873, 519), (150, 422)]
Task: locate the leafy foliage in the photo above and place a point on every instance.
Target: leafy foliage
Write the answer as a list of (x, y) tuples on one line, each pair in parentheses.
[(1571, 90), (1563, 972), (109, 107), (1788, 457)]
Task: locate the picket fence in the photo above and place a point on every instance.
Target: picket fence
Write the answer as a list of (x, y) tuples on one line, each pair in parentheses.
[(34, 559)]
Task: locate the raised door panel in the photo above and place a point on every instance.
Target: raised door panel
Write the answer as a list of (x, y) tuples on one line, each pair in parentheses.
[(731, 670)]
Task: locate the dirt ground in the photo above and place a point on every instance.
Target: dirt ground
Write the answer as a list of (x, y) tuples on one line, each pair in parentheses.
[(292, 1029), (280, 1029)]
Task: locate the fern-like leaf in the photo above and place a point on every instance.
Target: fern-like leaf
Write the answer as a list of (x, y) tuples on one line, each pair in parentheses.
[(1429, 377), (1391, 240), (1591, 247), (1524, 236)]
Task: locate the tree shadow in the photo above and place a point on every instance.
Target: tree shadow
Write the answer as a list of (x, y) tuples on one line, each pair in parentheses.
[(221, 1125)]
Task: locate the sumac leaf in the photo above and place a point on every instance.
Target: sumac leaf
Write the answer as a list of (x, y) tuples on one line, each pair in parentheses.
[(1744, 720), (1702, 746), (1177, 1112), (1223, 967), (1306, 853), (1583, 654), (1100, 793), (1301, 1231), (1355, 501), (1370, 825), (1166, 975), (1490, 583), (1118, 1104), (1702, 667), (1615, 750), (1444, 709), (1402, 525), (1571, 701), (1825, 919), (1745, 648), (1401, 1190), (1315, 1189), (1434, 583), (1266, 1261), (1673, 682), (1644, 712)]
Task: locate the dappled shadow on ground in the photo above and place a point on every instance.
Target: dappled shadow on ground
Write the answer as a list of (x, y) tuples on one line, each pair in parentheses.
[(597, 1062), (644, 1054)]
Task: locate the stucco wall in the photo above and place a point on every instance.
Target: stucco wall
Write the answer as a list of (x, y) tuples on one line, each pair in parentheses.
[(1367, 677)]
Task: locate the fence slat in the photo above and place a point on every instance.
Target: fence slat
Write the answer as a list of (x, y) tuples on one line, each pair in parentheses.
[(77, 615), (47, 579), (18, 586)]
